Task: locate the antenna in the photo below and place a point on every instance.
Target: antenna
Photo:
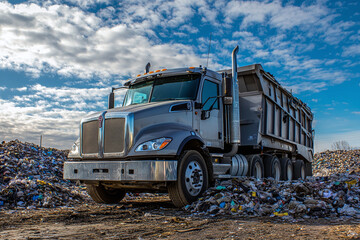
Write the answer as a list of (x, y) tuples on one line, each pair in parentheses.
[(207, 61)]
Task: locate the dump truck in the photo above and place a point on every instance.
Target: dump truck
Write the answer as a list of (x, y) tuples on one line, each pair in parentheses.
[(179, 130)]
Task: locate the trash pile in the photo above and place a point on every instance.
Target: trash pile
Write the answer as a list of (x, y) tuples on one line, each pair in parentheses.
[(32, 177), (334, 191), (340, 161), (333, 196)]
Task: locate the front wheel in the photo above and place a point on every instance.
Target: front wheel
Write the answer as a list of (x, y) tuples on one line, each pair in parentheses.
[(192, 179), (100, 194)]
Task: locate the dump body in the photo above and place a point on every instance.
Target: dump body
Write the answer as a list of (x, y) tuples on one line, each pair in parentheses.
[(271, 117)]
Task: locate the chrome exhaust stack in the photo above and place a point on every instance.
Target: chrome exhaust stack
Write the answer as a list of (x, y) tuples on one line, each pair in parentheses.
[(235, 108)]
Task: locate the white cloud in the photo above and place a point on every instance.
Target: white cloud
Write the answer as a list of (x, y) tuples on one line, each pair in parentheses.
[(305, 86), (274, 13), (22, 89), (3, 88), (356, 112), (336, 32), (352, 50), (69, 41)]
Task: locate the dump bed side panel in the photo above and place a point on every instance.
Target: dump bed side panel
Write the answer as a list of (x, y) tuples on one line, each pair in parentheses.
[(271, 117)]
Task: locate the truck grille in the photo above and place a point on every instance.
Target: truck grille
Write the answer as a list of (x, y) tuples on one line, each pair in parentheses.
[(90, 137), (114, 135)]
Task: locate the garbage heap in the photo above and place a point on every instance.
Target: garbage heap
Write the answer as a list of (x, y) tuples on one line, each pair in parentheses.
[(334, 196), (340, 161), (334, 191), (32, 177)]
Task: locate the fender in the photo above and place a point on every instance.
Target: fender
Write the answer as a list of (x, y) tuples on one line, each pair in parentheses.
[(188, 139)]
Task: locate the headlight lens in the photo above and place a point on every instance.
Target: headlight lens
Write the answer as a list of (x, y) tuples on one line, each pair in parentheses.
[(153, 145), (75, 150)]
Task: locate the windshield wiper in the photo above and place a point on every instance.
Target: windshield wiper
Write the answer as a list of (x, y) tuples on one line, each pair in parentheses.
[(168, 99)]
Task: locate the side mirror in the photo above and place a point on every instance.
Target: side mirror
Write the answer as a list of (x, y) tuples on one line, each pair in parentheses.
[(111, 100), (198, 105), (227, 86), (227, 90)]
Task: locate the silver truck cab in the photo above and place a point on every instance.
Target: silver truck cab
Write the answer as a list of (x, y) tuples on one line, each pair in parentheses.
[(165, 114)]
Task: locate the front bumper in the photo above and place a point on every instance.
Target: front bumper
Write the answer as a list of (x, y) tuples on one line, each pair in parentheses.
[(144, 170)]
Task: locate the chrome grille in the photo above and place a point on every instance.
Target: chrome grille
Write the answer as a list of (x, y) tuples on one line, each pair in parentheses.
[(89, 138), (114, 135)]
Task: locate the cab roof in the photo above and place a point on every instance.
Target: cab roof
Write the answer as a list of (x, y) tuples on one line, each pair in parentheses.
[(171, 72)]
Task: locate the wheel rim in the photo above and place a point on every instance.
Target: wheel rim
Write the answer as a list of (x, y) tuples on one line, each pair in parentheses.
[(277, 172), (289, 172), (194, 180), (257, 174)]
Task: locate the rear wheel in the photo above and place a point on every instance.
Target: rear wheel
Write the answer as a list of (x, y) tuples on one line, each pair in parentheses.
[(256, 168), (286, 169), (299, 170), (272, 167), (192, 179), (100, 194)]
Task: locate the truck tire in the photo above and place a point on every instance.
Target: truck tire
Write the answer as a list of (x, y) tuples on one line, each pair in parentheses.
[(272, 167), (299, 170), (256, 166), (102, 195), (286, 169), (308, 168), (192, 179)]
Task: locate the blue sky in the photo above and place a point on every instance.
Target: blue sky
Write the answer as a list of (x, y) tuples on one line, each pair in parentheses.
[(58, 59)]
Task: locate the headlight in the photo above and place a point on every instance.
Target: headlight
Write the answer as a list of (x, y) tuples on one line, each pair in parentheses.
[(75, 150), (153, 145)]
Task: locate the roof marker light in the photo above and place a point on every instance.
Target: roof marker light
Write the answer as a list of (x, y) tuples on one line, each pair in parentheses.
[(192, 67), (151, 72), (157, 70), (163, 69), (138, 75)]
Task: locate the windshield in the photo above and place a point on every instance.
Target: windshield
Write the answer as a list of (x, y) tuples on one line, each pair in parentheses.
[(163, 89)]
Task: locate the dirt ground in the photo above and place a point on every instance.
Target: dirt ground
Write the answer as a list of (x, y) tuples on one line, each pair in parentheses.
[(156, 218)]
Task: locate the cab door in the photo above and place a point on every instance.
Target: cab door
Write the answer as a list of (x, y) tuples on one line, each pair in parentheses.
[(210, 124)]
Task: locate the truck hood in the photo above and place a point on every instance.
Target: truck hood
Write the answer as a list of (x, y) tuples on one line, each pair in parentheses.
[(153, 107), (146, 106)]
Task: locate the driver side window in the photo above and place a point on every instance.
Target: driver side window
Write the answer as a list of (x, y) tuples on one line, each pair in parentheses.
[(210, 89)]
